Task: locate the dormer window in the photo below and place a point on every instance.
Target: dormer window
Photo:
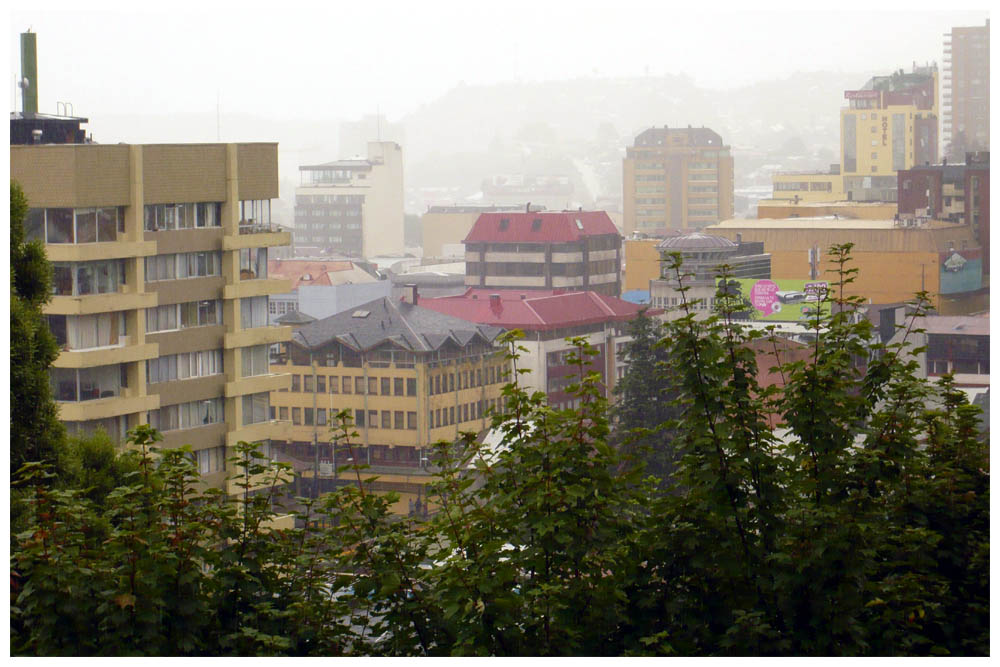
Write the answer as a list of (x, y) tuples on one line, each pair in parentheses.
[(504, 223), (536, 224)]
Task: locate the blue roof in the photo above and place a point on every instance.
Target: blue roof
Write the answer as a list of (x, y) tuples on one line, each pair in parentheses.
[(637, 296)]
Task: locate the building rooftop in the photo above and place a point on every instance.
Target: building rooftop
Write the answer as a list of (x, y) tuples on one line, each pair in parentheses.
[(356, 164), (410, 327), (696, 136), (823, 222), (533, 310), (540, 227), (968, 325), (695, 241), (310, 272)]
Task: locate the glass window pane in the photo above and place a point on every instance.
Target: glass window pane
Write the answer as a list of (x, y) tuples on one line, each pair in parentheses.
[(34, 225), (60, 225), (86, 226), (107, 224)]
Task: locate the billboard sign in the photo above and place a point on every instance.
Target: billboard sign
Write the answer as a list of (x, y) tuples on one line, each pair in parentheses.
[(782, 300), (961, 270)]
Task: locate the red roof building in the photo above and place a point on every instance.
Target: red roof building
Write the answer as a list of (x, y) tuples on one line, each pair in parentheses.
[(547, 318), (543, 250)]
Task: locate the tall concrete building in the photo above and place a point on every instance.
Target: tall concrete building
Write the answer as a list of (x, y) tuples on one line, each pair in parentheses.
[(160, 293), (676, 178), (966, 91), (889, 124), (352, 207)]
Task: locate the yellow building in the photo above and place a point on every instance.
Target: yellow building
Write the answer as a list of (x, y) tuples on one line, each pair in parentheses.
[(890, 124), (443, 226), (161, 291), (676, 178), (851, 210), (894, 259), (408, 376)]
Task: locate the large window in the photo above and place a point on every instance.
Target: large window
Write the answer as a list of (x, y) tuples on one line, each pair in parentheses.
[(83, 278), (188, 415), (164, 217), (87, 384), (82, 225), (183, 315), (184, 366), (253, 312), (84, 332), (256, 408), (183, 265), (253, 263), (211, 460), (255, 361)]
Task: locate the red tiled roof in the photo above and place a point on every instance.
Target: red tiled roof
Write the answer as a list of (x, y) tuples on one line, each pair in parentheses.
[(556, 227), (533, 310), (296, 270)]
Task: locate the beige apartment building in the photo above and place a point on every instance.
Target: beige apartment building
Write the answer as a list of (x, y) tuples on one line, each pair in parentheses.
[(161, 291), (676, 178), (352, 207)]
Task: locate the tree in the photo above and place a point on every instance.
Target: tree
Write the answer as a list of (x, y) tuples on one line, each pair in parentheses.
[(861, 527), (644, 408)]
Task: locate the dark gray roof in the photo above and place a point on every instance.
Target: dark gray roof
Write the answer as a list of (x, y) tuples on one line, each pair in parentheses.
[(413, 328), (295, 317), (695, 241)]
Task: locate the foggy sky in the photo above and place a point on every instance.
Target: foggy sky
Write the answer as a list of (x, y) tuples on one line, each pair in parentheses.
[(341, 60)]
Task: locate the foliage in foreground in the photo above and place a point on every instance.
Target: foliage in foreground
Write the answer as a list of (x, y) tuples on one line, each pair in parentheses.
[(860, 528)]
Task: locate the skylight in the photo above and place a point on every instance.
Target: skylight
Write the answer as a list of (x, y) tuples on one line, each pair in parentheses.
[(361, 313)]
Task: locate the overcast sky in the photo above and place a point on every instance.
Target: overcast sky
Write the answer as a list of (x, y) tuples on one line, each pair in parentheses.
[(343, 59)]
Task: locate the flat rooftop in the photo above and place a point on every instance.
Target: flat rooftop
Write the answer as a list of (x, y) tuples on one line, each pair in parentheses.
[(824, 222)]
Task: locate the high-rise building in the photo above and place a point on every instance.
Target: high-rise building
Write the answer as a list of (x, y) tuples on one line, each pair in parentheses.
[(352, 207), (676, 178), (966, 91), (545, 250), (160, 292), (890, 124)]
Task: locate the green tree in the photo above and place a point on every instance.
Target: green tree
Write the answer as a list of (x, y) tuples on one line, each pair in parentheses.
[(645, 405), (35, 431)]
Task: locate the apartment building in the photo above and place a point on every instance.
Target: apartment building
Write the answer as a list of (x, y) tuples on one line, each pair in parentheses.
[(353, 207), (676, 178), (160, 297), (966, 91), (547, 318), (889, 124), (407, 375), (323, 287), (444, 227), (544, 250)]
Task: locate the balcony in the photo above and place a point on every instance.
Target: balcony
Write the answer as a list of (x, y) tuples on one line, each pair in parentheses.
[(105, 356), (103, 408), (100, 303), (273, 429), (92, 252), (258, 383), (257, 236), (257, 336), (256, 287)]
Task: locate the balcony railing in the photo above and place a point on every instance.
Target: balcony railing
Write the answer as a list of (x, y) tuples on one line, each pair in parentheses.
[(251, 227)]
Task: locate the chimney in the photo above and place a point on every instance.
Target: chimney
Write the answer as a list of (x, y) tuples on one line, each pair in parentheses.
[(527, 207), (29, 73), (495, 304), (36, 136)]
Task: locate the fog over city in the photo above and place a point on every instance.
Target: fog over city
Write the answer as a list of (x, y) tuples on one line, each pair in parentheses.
[(466, 82)]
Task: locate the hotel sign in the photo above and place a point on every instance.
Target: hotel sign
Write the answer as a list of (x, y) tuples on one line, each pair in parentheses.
[(861, 94)]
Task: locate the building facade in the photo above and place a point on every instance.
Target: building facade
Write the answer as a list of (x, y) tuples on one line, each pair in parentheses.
[(966, 91), (161, 291), (352, 207), (407, 376), (320, 288), (956, 192), (546, 250), (443, 228), (676, 178)]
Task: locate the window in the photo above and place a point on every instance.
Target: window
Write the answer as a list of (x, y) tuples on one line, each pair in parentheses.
[(297, 416), (255, 360), (373, 418), (411, 421), (385, 386), (253, 263), (308, 414), (321, 384), (256, 408), (321, 416), (183, 316), (253, 312), (359, 385), (283, 414), (211, 460), (66, 225), (347, 385), (296, 383), (307, 384), (83, 278), (397, 386), (411, 387), (188, 415), (87, 384), (386, 419), (334, 384), (83, 332), (359, 418), (373, 386), (184, 366), (451, 415), (398, 418)]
